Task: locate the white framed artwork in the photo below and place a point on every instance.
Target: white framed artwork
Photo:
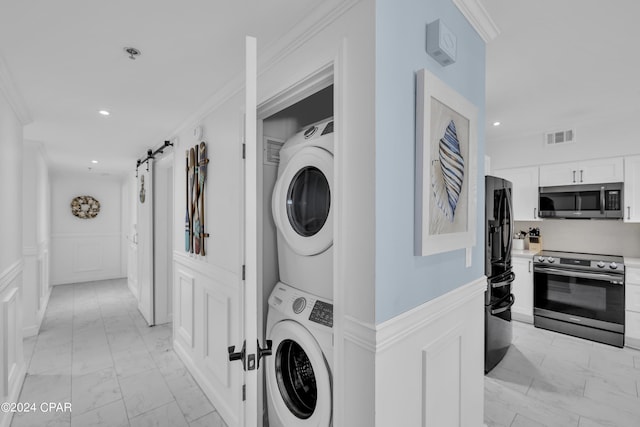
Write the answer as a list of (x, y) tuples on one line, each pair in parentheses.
[(446, 168)]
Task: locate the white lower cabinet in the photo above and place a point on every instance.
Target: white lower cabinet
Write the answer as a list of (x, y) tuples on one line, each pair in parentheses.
[(632, 307), (522, 289)]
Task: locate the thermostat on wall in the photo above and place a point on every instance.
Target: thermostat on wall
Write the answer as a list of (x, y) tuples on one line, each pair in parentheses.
[(441, 43)]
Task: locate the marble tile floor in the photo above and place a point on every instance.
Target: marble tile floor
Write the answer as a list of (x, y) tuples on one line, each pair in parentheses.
[(95, 351), (550, 379)]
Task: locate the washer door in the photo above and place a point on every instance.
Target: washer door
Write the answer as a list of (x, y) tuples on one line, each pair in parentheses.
[(298, 378), (302, 201)]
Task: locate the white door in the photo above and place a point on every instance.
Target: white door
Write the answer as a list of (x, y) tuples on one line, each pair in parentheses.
[(144, 197), (163, 238), (247, 352)]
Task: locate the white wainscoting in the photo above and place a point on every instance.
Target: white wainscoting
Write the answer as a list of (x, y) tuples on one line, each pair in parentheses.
[(35, 287), (207, 305), (429, 362), (12, 367), (81, 257)]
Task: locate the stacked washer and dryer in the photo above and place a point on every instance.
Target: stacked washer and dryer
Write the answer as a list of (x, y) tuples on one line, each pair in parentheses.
[(300, 316)]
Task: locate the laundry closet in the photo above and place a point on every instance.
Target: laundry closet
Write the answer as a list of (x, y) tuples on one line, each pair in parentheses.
[(296, 257)]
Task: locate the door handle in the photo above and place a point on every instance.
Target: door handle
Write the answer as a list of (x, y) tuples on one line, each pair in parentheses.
[(581, 175), (529, 266), (250, 361), (264, 351), (535, 213), (512, 300), (240, 355), (628, 212), (574, 176)]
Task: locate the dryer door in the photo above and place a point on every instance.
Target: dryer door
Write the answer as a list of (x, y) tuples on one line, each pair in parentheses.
[(302, 201), (298, 378)]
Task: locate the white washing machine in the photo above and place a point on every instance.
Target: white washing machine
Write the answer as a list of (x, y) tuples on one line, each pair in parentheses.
[(299, 379), (303, 211)]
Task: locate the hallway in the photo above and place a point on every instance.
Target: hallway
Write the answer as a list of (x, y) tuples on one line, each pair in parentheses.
[(96, 351)]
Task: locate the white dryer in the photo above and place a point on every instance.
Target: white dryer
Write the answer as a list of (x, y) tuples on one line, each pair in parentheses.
[(303, 211), (299, 379)]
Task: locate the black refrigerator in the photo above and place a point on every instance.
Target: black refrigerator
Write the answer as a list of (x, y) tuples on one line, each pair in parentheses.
[(499, 230)]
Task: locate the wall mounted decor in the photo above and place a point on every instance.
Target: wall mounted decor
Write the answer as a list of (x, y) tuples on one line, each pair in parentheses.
[(85, 207), (142, 190), (446, 168), (196, 172)]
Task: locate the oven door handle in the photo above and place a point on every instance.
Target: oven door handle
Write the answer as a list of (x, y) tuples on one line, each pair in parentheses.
[(507, 281), (618, 280), (512, 300)]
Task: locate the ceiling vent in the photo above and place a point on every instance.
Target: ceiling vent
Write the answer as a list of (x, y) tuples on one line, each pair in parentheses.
[(559, 137)]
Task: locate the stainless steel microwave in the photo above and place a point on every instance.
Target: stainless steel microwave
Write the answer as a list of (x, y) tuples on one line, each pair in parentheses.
[(584, 201)]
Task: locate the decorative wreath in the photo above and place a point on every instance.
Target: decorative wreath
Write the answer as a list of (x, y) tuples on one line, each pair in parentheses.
[(85, 207)]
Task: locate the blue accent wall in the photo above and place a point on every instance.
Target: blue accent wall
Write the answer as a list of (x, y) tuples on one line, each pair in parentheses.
[(404, 281)]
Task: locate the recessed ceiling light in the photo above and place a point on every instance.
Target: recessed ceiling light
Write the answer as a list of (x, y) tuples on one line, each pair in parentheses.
[(94, 161), (104, 112), (496, 123)]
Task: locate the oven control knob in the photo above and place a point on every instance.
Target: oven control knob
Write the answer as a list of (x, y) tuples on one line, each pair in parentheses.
[(551, 259), (540, 259), (600, 264), (613, 266)]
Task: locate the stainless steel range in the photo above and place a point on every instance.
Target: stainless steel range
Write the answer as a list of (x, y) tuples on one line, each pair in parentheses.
[(580, 295)]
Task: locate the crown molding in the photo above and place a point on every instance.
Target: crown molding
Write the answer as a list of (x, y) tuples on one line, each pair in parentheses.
[(321, 17), (479, 18), (12, 95)]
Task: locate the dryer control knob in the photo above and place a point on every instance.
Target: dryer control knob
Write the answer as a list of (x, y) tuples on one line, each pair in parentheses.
[(310, 132), (299, 304)]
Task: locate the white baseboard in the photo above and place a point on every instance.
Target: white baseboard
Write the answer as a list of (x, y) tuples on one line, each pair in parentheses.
[(524, 318), (632, 342), (133, 288), (75, 280), (225, 412), (33, 330), (14, 394)]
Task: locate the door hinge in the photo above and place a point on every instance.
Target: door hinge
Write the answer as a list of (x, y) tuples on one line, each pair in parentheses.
[(243, 272), (244, 151), (244, 392)]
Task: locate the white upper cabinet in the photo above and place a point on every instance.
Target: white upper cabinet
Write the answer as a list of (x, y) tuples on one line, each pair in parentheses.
[(525, 191), (632, 189), (584, 172)]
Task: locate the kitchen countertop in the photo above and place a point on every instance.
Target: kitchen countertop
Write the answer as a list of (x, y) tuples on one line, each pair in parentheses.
[(526, 253), (632, 262)]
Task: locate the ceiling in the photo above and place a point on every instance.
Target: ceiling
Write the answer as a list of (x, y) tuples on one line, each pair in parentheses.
[(66, 59), (558, 64)]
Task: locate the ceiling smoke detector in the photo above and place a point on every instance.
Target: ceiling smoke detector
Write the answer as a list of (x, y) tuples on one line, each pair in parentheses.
[(132, 52)]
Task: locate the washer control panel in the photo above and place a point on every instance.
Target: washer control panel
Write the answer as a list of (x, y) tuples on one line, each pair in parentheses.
[(322, 313), (301, 306)]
